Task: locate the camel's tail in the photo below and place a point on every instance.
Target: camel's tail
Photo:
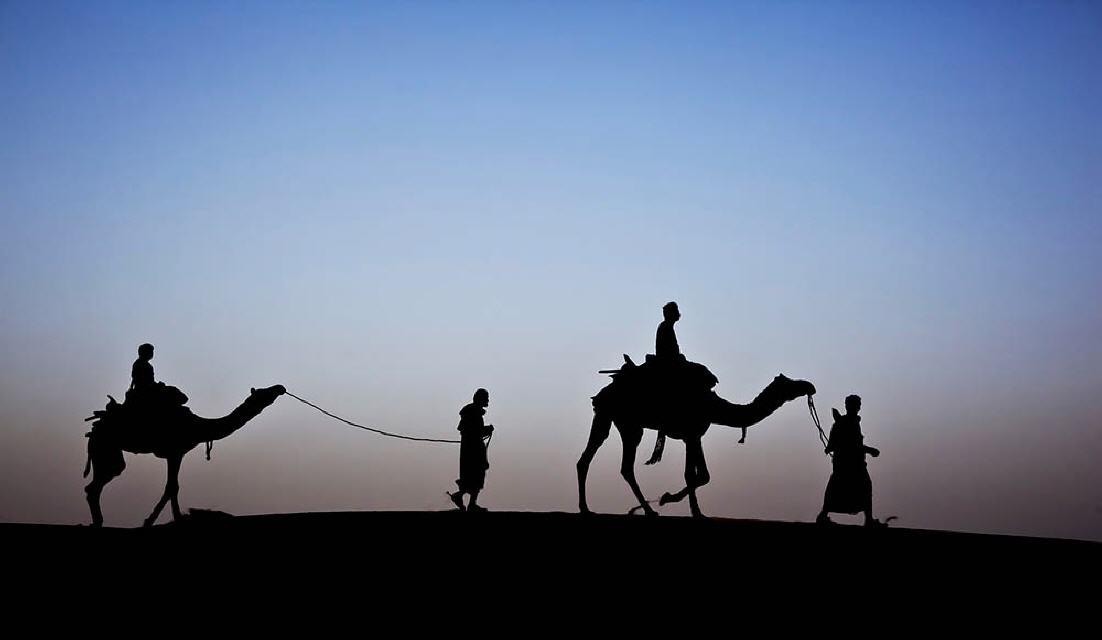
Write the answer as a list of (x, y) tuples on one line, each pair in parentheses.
[(88, 463)]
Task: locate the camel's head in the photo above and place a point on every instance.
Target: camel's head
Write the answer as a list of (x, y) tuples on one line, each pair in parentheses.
[(266, 396), (793, 389)]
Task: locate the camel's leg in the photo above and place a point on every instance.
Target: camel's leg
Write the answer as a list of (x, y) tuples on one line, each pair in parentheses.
[(92, 491), (106, 464), (674, 497), (598, 433), (680, 495), (175, 498), (696, 473), (631, 438), (659, 446), (172, 488)]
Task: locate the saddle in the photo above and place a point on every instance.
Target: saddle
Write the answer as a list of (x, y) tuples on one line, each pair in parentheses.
[(665, 375), (158, 396)]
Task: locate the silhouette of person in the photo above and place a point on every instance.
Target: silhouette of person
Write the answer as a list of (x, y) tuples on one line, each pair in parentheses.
[(141, 374), (675, 373), (665, 340), (849, 489), (473, 461)]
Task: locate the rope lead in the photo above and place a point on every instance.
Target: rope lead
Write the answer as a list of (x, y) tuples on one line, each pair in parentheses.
[(378, 431)]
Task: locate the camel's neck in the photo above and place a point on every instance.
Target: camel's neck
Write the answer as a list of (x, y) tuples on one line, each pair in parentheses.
[(780, 391), (729, 414), (209, 429)]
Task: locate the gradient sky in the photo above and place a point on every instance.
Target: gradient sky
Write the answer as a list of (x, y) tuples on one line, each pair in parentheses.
[(386, 206)]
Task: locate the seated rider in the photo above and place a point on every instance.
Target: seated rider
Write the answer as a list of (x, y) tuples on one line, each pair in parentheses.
[(144, 390), (677, 373), (665, 340), (142, 383), (141, 374)]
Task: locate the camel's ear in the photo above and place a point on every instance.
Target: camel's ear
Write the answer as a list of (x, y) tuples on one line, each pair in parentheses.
[(252, 390)]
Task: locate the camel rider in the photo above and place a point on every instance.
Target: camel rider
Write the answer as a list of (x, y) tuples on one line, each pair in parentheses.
[(667, 355), (142, 383), (145, 391), (665, 340), (675, 373), (141, 374)]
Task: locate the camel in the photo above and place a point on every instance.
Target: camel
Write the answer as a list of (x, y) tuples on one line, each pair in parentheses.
[(633, 403), (168, 433)]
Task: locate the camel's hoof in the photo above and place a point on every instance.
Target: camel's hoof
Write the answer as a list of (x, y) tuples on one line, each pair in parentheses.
[(146, 524), (666, 499), (700, 516), (650, 513), (96, 525)]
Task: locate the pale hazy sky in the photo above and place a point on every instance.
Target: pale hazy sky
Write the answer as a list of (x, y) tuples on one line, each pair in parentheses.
[(386, 206)]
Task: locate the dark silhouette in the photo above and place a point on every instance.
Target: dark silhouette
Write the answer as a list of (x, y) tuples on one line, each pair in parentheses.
[(849, 489), (665, 339), (119, 427), (141, 374), (670, 365), (641, 397), (145, 393), (262, 565), (473, 461)]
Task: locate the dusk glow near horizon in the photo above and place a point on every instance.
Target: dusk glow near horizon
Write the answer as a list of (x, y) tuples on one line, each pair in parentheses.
[(386, 206)]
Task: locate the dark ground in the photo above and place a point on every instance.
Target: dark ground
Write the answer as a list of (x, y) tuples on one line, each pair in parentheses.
[(435, 567)]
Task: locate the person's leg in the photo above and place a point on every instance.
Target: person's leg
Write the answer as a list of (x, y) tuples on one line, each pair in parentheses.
[(472, 504), (867, 488)]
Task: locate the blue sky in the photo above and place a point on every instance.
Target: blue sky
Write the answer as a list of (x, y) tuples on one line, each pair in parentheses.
[(386, 206)]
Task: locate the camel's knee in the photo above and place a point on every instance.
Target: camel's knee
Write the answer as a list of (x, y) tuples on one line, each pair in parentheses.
[(585, 460), (699, 480)]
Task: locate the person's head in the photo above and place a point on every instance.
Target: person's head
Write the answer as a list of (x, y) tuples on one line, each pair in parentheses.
[(482, 398), (853, 403), (670, 312), (145, 352)]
